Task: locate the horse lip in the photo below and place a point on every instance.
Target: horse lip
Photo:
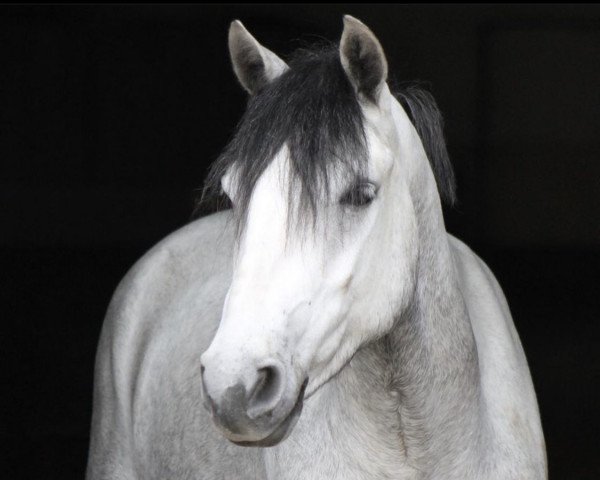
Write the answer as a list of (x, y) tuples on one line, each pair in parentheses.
[(283, 429)]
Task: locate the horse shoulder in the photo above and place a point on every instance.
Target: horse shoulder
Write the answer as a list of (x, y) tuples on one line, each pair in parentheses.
[(511, 409), (195, 257)]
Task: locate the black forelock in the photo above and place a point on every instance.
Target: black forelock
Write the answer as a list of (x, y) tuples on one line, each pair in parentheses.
[(313, 109)]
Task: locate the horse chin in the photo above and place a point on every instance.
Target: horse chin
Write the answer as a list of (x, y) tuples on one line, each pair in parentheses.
[(282, 430)]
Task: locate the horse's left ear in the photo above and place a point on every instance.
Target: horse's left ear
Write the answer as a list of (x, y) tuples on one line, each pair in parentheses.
[(362, 58), (254, 65)]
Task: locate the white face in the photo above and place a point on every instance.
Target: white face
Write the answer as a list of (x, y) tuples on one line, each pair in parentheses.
[(299, 306)]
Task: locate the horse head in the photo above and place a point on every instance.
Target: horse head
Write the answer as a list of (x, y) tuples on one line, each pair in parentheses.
[(320, 174)]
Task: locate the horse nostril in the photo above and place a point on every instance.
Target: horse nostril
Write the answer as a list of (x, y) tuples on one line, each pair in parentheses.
[(264, 385), (266, 392)]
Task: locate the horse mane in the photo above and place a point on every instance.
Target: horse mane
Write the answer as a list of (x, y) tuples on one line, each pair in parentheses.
[(425, 115), (313, 109)]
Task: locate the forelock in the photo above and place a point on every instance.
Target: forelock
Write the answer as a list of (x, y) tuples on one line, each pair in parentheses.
[(312, 109)]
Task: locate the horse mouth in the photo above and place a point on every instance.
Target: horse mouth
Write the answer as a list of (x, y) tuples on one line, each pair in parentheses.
[(283, 429)]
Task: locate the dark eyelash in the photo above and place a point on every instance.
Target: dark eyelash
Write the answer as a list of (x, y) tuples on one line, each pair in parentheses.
[(359, 195)]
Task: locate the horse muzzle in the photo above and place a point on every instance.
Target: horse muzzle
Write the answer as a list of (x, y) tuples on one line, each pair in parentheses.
[(258, 408)]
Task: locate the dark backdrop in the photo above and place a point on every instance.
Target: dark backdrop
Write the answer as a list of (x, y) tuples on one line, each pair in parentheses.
[(110, 115)]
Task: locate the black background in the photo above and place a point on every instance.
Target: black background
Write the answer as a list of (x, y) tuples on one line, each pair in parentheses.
[(110, 115)]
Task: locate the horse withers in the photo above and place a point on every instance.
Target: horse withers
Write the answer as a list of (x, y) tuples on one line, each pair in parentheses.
[(327, 326)]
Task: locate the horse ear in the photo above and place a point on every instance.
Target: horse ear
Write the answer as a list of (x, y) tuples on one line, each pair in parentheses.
[(362, 58), (254, 65)]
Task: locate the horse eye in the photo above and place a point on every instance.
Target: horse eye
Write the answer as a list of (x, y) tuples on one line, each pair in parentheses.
[(359, 195)]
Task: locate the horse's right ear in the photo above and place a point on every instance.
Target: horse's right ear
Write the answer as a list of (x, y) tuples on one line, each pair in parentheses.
[(362, 58), (254, 65)]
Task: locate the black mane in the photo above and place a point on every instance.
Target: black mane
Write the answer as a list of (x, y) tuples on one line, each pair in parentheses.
[(313, 109), (425, 115)]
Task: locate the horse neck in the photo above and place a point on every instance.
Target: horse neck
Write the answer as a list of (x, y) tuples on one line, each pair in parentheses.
[(431, 351)]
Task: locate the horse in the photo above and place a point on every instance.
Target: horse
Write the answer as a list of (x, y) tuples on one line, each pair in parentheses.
[(326, 326)]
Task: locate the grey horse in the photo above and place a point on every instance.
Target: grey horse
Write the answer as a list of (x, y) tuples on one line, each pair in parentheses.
[(326, 326)]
